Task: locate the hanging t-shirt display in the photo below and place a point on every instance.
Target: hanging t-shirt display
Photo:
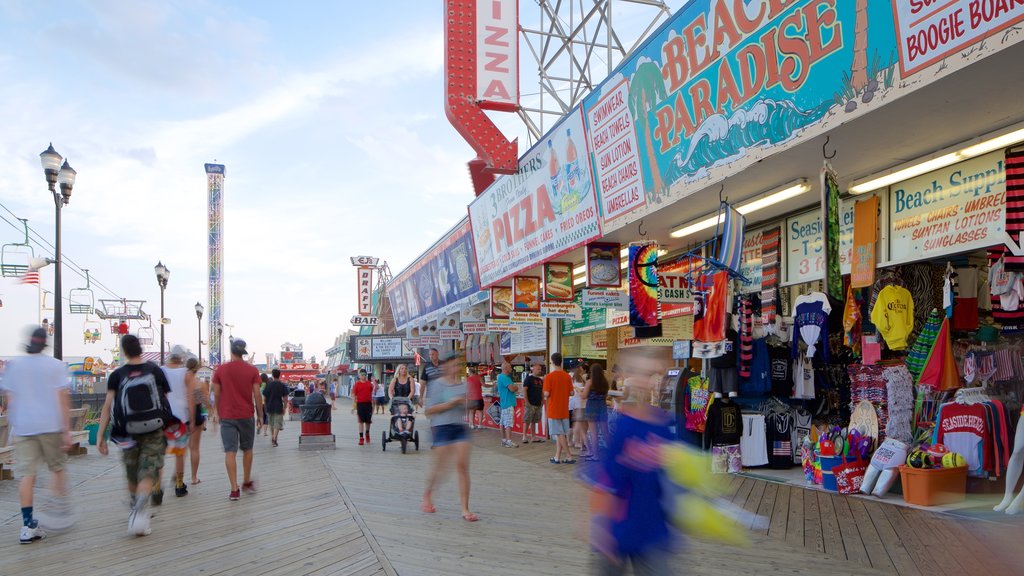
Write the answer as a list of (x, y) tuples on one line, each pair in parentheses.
[(725, 423), (810, 321), (893, 316), (723, 368), (759, 381), (965, 300), (697, 397), (779, 431), (780, 362), (801, 430), (754, 444), (712, 291)]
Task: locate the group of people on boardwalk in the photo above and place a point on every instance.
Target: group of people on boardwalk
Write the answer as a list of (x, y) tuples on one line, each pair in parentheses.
[(149, 409)]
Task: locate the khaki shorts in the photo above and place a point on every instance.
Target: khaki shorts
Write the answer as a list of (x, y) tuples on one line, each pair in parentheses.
[(276, 421), (34, 450), (532, 414), (146, 458)]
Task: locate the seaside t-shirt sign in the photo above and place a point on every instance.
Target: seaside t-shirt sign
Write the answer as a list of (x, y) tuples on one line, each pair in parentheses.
[(548, 208)]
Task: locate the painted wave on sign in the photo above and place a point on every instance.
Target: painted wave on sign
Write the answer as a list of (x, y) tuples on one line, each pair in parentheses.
[(720, 138)]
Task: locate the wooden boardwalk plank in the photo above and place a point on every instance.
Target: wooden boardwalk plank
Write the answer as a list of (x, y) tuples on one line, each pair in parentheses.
[(831, 537), (853, 541), (765, 508), (905, 565), (869, 537), (780, 513), (911, 542), (813, 536), (796, 528)]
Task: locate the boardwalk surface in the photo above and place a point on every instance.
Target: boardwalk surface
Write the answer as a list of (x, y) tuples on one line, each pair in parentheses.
[(355, 511)]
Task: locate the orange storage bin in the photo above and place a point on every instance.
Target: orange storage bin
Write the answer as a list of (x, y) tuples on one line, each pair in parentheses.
[(933, 487)]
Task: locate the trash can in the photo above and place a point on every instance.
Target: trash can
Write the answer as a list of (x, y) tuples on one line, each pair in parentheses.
[(93, 428), (316, 419)]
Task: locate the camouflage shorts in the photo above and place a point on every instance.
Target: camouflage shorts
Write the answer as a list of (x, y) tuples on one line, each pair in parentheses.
[(146, 458)]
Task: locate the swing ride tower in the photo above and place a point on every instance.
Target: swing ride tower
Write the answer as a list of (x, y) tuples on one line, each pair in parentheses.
[(215, 263)]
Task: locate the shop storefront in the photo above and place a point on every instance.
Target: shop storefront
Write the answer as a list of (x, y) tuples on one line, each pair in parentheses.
[(814, 206)]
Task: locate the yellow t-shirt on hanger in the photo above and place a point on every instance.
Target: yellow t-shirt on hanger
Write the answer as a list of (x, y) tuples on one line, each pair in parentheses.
[(893, 315)]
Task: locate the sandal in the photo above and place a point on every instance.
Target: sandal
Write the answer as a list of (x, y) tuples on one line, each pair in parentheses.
[(569, 461), (428, 508), (536, 440), (555, 461), (470, 517)]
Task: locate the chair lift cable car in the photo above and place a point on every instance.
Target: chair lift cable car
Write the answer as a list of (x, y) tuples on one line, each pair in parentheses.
[(146, 334), (15, 256), (81, 300), (91, 330)]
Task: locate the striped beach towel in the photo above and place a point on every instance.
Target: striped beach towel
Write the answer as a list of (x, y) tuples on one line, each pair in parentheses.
[(731, 248)]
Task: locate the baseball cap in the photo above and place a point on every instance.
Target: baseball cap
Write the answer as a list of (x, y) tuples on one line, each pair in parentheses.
[(178, 351), (37, 341), (238, 347)]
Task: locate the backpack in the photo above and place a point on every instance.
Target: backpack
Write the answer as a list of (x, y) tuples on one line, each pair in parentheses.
[(140, 407)]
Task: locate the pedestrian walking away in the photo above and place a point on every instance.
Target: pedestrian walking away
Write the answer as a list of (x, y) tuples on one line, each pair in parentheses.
[(200, 410), (261, 424), (275, 398), (445, 402), (533, 388), (474, 400), (36, 387), (507, 389), (182, 385), (362, 393), (557, 391), (236, 399), (595, 410), (137, 401)]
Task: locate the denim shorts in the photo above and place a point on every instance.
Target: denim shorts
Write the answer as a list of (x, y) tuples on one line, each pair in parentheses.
[(446, 434), (558, 426)]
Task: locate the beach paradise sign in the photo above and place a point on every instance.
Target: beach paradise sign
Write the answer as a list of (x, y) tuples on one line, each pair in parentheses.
[(725, 83), (547, 209)]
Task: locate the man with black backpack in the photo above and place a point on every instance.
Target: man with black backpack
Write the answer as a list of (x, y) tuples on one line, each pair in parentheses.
[(137, 404)]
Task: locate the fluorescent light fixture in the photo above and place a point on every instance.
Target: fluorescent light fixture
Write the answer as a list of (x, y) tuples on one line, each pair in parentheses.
[(791, 190), (984, 146), (578, 281)]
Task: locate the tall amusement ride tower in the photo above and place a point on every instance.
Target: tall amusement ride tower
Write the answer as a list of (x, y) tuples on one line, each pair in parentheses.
[(215, 238)]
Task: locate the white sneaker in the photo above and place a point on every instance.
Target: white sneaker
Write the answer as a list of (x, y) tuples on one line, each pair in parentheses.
[(138, 523), (30, 535)]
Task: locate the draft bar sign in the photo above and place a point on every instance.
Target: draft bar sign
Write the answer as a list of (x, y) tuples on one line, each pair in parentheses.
[(546, 209)]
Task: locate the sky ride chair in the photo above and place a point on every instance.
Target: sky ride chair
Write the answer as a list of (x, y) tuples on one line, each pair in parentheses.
[(81, 300), (146, 334), (16, 256), (91, 330)]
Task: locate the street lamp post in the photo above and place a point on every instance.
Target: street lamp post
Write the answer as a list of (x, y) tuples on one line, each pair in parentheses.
[(162, 275), (64, 175), (199, 318)]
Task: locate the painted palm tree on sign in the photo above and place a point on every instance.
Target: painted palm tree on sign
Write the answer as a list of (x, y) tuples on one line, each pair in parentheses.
[(646, 89), (859, 70)]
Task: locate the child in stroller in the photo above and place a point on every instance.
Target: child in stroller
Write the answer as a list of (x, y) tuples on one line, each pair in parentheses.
[(400, 419), (403, 425)]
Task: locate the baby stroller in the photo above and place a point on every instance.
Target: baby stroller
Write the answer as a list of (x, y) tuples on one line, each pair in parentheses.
[(394, 433)]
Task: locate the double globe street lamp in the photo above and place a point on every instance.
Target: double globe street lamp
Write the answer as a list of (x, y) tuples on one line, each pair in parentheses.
[(162, 275), (64, 176)]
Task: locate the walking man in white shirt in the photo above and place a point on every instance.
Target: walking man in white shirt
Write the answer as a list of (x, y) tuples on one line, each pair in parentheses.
[(39, 407)]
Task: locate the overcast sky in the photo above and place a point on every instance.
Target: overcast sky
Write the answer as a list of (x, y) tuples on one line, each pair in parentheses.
[(328, 116)]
